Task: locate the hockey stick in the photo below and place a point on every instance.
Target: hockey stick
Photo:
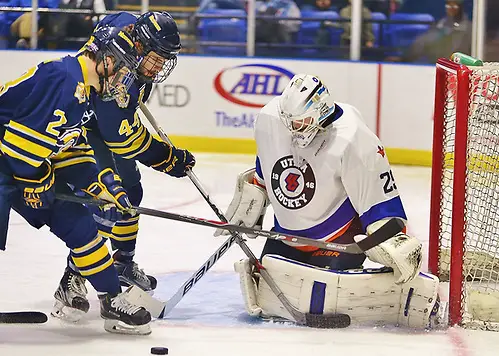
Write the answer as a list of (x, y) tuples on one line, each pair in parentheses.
[(351, 248), (320, 321), (28, 317)]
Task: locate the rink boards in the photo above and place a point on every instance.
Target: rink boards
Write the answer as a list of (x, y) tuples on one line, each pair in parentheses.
[(210, 104)]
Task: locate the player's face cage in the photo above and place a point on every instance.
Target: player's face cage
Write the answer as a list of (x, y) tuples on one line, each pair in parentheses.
[(303, 127), (117, 80), (155, 68)]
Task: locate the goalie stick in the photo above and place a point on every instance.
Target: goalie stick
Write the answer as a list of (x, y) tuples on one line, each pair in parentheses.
[(351, 248), (23, 317), (320, 321), (159, 309)]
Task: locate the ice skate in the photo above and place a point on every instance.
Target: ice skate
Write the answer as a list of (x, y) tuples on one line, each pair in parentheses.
[(70, 297), (123, 317), (130, 274)]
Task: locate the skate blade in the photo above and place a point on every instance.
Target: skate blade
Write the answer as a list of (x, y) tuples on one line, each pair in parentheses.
[(65, 313), (118, 327)]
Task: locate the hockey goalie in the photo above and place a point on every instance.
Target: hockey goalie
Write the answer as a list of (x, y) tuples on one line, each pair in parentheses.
[(327, 177)]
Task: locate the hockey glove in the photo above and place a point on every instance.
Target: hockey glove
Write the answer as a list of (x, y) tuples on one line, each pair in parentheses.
[(177, 163), (108, 187), (249, 204), (38, 192), (106, 215)]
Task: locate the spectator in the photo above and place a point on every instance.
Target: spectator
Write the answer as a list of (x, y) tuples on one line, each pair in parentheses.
[(221, 4), (20, 27), (450, 34), (367, 37), (282, 31), (387, 7), (78, 25), (204, 5), (322, 5)]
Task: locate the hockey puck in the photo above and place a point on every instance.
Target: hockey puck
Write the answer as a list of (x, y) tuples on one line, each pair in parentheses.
[(159, 350)]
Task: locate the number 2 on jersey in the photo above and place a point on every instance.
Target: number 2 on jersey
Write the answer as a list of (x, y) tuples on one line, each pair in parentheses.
[(389, 184)]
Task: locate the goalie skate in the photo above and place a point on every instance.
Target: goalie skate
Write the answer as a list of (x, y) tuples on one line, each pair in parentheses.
[(123, 317), (71, 302)]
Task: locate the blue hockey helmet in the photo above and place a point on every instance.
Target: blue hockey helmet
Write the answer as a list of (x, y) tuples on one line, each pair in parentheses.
[(157, 32), (113, 42)]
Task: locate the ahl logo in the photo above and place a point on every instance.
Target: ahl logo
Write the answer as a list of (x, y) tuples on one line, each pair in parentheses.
[(251, 85)]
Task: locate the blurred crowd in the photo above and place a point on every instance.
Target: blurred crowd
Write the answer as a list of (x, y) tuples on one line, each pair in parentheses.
[(429, 30)]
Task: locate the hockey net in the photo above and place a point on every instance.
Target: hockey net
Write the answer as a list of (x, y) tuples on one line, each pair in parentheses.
[(464, 215)]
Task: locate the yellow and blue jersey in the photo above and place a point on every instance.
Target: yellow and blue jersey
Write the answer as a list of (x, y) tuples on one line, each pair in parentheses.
[(41, 113), (123, 132), (119, 126)]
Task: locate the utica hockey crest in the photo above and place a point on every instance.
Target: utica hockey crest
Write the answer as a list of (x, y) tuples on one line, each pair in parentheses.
[(293, 187)]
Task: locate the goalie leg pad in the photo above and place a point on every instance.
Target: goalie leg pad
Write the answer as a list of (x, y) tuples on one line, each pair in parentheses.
[(368, 296), (248, 287)]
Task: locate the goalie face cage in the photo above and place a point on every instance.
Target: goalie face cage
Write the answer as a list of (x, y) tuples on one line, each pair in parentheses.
[(464, 212)]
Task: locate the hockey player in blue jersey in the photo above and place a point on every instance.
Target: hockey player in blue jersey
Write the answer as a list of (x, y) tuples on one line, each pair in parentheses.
[(119, 139), (43, 143)]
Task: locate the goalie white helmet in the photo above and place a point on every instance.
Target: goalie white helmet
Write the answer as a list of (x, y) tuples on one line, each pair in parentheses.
[(304, 107)]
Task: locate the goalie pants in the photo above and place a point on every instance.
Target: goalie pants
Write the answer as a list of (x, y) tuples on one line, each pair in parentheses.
[(320, 257), (124, 234)]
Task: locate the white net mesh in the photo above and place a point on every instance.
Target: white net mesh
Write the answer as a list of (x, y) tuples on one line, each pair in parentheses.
[(480, 289)]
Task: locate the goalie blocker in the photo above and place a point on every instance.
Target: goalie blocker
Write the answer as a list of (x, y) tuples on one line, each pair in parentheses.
[(368, 296)]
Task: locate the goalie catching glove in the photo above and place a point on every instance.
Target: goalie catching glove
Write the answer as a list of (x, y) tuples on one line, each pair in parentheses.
[(108, 187), (401, 252), (248, 205), (177, 163)]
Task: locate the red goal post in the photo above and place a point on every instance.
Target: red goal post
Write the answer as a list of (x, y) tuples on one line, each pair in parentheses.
[(464, 218)]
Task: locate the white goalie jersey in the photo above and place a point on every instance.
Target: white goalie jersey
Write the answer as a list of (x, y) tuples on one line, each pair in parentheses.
[(317, 191)]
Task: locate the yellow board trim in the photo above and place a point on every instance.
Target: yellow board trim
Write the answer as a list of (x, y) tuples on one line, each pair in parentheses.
[(401, 156), (409, 157)]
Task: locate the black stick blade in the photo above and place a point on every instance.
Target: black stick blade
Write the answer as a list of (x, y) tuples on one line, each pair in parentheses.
[(30, 317), (327, 321)]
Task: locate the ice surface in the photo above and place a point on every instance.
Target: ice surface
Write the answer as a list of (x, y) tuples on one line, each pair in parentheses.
[(210, 320)]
